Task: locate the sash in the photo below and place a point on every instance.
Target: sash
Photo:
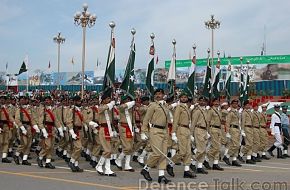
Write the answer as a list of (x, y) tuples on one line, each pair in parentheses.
[(10, 124), (50, 127), (169, 125), (129, 122), (26, 114), (129, 134), (108, 123), (79, 115)]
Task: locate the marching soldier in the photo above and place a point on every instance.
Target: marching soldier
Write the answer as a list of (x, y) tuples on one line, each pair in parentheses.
[(256, 133), (225, 131), (232, 124), (215, 132), (263, 132), (105, 134), (157, 115), (13, 130), (200, 131), (26, 122), (48, 121), (172, 144), (182, 133)]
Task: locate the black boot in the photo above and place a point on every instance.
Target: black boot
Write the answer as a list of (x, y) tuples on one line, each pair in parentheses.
[(72, 167), (264, 157), (188, 174), (88, 158), (49, 165), (201, 171), (250, 161), (163, 179), (227, 160), (135, 158), (78, 169), (16, 159), (169, 170), (146, 175), (6, 160), (93, 163), (236, 163), (25, 162), (241, 159), (217, 167), (270, 150), (258, 159), (206, 165), (10, 154), (39, 163), (112, 161), (193, 167), (279, 154)]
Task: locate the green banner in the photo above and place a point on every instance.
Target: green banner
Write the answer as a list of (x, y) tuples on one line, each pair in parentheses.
[(268, 59)]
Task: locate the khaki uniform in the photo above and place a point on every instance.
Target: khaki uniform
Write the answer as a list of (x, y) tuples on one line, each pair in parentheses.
[(139, 116), (232, 124), (157, 115), (263, 132), (126, 137), (181, 126), (62, 112), (87, 138), (256, 131), (247, 126), (48, 120), (224, 130), (199, 123), (6, 125), (13, 130), (24, 117), (215, 132)]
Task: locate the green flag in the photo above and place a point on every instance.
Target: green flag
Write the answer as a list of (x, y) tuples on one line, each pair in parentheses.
[(242, 83), (207, 80), (216, 80), (190, 83), (128, 83), (172, 74), (23, 68), (150, 72), (109, 78), (228, 82)]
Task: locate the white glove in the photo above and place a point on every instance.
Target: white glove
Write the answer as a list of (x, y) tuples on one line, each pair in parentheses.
[(60, 130), (0, 130), (144, 137), (95, 131), (243, 133), (64, 128), (111, 104), (207, 135), (86, 127), (174, 137), (137, 130), (229, 109), (44, 133), (15, 124), (35, 127), (174, 105), (130, 104), (115, 134), (93, 124), (191, 138), (228, 135), (24, 131), (207, 107), (73, 135)]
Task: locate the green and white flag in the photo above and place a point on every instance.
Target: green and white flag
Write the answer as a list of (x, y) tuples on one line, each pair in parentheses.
[(150, 72), (128, 83), (171, 77), (191, 83), (216, 80), (207, 80), (228, 82), (23, 68), (109, 78)]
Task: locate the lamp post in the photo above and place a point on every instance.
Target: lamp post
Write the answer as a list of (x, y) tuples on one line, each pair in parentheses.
[(212, 24), (84, 19), (59, 40)]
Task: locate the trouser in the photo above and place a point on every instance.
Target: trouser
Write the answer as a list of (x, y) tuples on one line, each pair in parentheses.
[(214, 149), (25, 141), (200, 136), (77, 146), (248, 148), (138, 142), (47, 145), (263, 139), (126, 141), (184, 146), (13, 136), (224, 139), (158, 140), (278, 140), (97, 147), (5, 135), (234, 142), (115, 144), (286, 136), (105, 142), (256, 140), (64, 142)]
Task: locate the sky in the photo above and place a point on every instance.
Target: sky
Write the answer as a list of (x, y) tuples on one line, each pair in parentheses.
[(27, 28)]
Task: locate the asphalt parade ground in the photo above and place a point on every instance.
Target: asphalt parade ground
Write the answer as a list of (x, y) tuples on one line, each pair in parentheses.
[(271, 174)]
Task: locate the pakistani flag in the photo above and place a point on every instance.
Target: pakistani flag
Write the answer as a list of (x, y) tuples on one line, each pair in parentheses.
[(109, 78), (207, 80), (246, 87), (228, 82), (242, 83), (23, 68), (190, 83), (172, 73), (128, 82), (150, 72), (216, 80)]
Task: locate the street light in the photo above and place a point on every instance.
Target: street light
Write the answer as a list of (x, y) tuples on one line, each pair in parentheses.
[(59, 40), (212, 24), (84, 19)]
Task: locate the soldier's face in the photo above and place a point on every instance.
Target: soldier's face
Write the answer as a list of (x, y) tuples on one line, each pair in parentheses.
[(264, 109), (202, 103), (235, 105), (284, 110), (184, 99), (107, 100), (216, 103), (255, 108), (146, 103), (48, 102), (78, 103), (22, 101), (158, 96)]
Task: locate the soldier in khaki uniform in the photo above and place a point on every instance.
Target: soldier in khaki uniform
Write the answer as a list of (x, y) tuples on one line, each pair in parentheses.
[(247, 128), (200, 131), (26, 121), (264, 141), (13, 130), (182, 134), (6, 125), (48, 121), (215, 122), (233, 126), (105, 134), (225, 135), (157, 115), (172, 145), (126, 127), (256, 133)]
